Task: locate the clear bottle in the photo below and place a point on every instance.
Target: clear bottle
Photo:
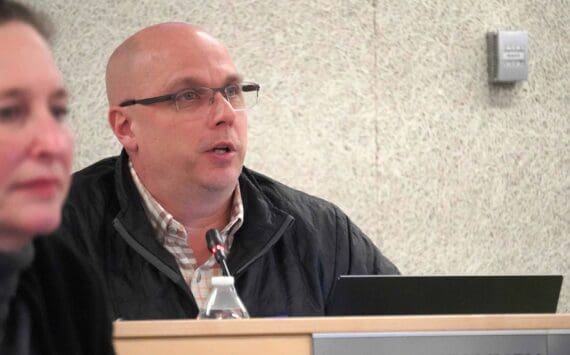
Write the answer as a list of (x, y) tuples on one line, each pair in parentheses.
[(223, 301)]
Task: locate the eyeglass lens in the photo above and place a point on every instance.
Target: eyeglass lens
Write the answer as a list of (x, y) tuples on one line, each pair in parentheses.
[(239, 96)]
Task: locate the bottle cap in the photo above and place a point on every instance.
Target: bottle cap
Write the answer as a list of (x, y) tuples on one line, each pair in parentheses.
[(222, 280)]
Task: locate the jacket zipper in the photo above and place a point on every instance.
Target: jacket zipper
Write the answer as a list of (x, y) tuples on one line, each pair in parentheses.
[(176, 277)]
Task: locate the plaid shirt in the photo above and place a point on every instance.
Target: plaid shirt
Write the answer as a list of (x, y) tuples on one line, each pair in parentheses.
[(172, 235)]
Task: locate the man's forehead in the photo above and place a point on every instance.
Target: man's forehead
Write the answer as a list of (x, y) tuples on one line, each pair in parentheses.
[(158, 43), (169, 57), (188, 48), (191, 63), (190, 81)]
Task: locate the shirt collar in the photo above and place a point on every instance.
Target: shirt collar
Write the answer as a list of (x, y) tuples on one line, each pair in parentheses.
[(164, 224)]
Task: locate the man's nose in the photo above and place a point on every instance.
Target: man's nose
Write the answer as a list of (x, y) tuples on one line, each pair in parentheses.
[(221, 110)]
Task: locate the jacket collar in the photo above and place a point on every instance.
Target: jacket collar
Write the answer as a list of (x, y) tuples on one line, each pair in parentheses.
[(263, 224), (134, 226)]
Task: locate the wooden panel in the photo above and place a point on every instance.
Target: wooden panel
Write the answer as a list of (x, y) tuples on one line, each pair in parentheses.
[(293, 335), (235, 345), (337, 324)]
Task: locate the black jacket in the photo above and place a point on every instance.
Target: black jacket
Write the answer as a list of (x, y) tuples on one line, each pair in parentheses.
[(285, 258), (66, 303)]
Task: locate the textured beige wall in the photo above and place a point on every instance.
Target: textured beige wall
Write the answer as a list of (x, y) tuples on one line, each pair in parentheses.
[(382, 107)]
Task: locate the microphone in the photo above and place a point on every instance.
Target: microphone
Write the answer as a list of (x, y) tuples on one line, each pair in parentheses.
[(216, 247)]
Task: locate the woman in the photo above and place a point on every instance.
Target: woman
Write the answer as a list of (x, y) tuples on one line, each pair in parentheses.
[(50, 300)]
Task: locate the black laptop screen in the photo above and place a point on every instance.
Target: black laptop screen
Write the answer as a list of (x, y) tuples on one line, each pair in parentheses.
[(415, 295)]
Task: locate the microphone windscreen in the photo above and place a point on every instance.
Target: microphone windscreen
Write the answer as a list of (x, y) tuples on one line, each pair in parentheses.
[(213, 238)]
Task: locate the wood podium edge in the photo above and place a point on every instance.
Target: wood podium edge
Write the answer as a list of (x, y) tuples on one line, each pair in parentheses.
[(304, 325)]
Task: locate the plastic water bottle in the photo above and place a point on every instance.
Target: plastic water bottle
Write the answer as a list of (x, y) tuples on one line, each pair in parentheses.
[(223, 301)]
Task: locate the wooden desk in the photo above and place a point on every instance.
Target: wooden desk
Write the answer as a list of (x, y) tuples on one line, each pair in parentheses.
[(294, 335)]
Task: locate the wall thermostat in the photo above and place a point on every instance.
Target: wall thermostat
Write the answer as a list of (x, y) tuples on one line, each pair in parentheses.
[(508, 56)]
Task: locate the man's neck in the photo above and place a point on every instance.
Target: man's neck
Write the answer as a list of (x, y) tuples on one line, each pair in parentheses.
[(197, 229), (199, 209), (198, 214), (192, 205)]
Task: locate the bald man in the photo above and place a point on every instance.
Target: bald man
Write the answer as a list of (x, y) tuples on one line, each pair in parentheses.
[(178, 106)]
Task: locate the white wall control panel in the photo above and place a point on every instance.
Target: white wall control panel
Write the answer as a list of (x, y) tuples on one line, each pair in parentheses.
[(508, 56)]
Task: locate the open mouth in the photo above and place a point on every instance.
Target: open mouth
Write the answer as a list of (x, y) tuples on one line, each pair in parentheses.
[(222, 149)]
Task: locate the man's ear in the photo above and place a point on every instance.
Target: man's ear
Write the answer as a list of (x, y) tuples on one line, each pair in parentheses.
[(122, 126)]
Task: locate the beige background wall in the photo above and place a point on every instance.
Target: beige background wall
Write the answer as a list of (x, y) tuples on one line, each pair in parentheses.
[(382, 107)]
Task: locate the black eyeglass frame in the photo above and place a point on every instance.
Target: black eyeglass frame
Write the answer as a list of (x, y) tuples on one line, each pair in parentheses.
[(245, 87)]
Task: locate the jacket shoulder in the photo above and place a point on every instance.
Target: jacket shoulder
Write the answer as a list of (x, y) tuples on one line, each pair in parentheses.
[(295, 202), (91, 184), (97, 171), (90, 206)]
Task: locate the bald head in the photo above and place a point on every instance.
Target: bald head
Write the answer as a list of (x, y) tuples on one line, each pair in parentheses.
[(133, 64), (202, 148)]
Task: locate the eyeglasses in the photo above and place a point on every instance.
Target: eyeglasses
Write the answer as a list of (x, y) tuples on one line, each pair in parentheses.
[(240, 96)]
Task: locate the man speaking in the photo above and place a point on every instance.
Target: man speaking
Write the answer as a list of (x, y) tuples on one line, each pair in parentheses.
[(179, 107)]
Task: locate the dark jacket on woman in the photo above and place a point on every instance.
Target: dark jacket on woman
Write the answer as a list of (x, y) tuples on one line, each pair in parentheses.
[(285, 258), (59, 304)]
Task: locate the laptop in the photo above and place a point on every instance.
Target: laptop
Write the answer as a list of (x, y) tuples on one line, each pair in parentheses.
[(421, 295)]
